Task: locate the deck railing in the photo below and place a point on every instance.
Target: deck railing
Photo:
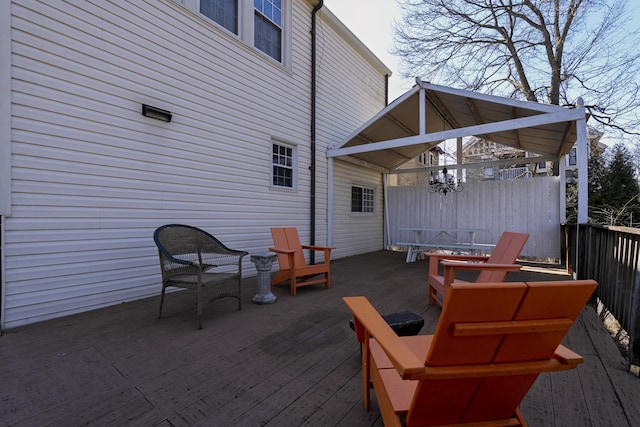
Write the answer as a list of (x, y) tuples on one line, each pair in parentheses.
[(611, 255)]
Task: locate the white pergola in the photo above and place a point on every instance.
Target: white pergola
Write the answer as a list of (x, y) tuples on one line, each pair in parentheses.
[(428, 114)]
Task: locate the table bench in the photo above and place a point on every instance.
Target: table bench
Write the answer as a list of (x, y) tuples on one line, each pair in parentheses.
[(414, 249)]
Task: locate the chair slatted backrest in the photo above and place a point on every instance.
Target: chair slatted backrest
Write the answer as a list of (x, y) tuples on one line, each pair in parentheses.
[(471, 399), (287, 238), (444, 401), (506, 251), (543, 301)]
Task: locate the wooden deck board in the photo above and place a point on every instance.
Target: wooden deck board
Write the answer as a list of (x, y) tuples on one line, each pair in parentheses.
[(292, 363)]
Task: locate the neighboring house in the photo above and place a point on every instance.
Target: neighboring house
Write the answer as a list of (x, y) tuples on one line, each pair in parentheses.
[(85, 177), (418, 166), (478, 150)]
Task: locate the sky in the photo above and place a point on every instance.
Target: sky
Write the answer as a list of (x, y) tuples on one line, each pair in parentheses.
[(372, 22)]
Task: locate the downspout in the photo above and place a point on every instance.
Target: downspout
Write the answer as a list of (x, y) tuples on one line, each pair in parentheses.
[(386, 90), (312, 167)]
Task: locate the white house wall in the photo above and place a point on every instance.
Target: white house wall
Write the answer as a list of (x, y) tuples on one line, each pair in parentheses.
[(92, 178), (352, 233), (356, 233)]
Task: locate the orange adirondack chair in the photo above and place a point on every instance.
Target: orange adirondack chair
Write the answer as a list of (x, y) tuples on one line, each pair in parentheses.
[(491, 343), (293, 266), (493, 268)]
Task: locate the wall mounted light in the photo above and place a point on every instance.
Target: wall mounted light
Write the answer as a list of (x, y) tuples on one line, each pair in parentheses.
[(156, 113)]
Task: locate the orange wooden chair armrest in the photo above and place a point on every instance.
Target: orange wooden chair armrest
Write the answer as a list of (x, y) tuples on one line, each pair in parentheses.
[(485, 266), (495, 370), (458, 257), (317, 248), (282, 251), (366, 317)]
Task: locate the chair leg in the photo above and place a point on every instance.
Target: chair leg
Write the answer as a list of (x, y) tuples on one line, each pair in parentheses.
[(240, 293), (200, 304), (432, 299), (161, 302), (292, 282)]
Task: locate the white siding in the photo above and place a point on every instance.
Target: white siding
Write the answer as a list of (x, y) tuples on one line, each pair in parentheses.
[(342, 71), (92, 178), (356, 233)]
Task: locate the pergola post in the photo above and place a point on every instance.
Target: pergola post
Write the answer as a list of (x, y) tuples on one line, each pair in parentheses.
[(583, 164), (583, 180)]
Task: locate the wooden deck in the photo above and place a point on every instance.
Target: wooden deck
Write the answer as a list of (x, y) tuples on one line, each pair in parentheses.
[(292, 363)]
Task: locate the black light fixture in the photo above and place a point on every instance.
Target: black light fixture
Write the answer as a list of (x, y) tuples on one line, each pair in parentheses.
[(156, 113), (444, 183)]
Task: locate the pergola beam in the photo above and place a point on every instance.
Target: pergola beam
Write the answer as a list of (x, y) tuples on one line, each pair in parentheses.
[(488, 128)]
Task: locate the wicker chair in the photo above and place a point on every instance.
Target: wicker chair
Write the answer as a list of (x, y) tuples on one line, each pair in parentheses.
[(187, 257)]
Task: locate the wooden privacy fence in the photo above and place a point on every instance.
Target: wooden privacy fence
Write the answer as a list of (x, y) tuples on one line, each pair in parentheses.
[(611, 256), (524, 205)]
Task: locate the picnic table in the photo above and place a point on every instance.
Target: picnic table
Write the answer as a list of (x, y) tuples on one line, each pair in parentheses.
[(442, 238)]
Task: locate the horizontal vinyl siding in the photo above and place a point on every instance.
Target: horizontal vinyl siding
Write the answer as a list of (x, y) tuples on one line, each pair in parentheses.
[(350, 92), (356, 233), (92, 178)]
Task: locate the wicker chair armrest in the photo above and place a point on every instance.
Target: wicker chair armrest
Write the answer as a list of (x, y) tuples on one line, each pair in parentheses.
[(216, 259), (170, 258)]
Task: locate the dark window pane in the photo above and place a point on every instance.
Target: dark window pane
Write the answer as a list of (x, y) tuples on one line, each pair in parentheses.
[(224, 12), (573, 158), (356, 199), (267, 36)]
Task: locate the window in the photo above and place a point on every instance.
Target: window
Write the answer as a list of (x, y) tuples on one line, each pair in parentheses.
[(427, 159), (573, 159), (260, 23), (362, 199), (283, 166), (267, 27), (224, 12)]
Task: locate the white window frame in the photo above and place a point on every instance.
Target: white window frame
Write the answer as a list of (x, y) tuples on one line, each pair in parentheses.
[(277, 164), (364, 204)]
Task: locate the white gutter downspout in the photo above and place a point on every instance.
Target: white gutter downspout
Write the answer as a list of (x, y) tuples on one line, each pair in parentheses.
[(562, 170), (330, 202), (386, 231)]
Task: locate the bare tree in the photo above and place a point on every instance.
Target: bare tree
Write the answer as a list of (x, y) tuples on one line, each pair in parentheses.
[(549, 51)]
